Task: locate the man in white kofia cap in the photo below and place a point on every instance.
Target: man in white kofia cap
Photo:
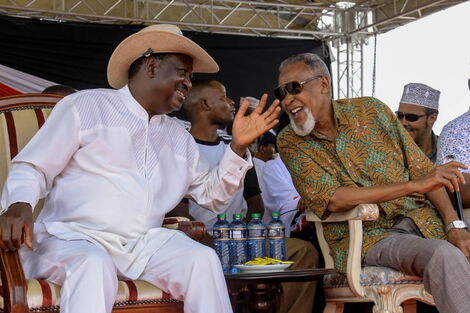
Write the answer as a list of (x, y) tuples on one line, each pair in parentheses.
[(110, 164), (418, 110)]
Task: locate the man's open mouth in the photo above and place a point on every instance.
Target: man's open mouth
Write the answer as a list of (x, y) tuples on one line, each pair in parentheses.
[(295, 110), (181, 93)]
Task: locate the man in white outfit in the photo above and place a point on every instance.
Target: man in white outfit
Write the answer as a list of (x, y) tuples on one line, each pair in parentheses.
[(110, 164)]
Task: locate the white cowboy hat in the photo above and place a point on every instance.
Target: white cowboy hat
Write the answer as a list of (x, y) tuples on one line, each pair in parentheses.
[(162, 38)]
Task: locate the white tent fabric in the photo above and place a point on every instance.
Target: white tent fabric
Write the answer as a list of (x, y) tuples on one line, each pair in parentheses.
[(21, 81)]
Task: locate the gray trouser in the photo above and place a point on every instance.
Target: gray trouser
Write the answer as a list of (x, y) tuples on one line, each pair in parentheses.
[(443, 267)]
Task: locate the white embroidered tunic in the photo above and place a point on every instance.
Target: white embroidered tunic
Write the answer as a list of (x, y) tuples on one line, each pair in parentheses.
[(109, 175), (213, 153)]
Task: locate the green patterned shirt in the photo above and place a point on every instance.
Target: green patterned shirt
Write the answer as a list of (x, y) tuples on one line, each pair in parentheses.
[(372, 148)]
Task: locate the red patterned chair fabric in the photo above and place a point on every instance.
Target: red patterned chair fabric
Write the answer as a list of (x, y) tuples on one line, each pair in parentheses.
[(20, 118), (45, 296)]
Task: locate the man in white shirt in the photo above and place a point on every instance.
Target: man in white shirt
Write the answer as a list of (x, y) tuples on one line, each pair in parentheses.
[(110, 164), (266, 150), (208, 109), (279, 195)]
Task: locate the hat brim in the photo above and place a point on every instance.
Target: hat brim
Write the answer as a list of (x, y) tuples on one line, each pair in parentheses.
[(134, 46)]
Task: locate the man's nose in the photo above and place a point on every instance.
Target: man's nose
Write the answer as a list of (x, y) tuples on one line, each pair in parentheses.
[(187, 82), (287, 100)]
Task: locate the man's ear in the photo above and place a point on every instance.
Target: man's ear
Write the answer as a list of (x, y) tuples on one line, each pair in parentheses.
[(325, 85), (152, 65), (205, 106), (432, 118)]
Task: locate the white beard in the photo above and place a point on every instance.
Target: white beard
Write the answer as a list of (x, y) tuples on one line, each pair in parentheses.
[(307, 127)]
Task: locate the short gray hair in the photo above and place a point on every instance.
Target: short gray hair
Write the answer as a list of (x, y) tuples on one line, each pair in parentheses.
[(311, 60)]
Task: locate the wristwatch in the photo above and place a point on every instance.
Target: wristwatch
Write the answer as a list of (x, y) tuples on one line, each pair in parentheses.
[(456, 224)]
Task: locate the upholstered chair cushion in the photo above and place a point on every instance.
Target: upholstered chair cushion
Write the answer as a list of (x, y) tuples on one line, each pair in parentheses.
[(373, 276), (44, 295)]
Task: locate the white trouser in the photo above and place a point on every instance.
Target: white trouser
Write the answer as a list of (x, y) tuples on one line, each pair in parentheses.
[(182, 267)]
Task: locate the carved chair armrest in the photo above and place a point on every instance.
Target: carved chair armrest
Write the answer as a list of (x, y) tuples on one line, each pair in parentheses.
[(354, 217), (362, 212), (193, 229), (13, 282)]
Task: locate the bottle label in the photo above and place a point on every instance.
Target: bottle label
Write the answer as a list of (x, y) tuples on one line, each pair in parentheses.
[(239, 233), (276, 232), (221, 233), (257, 233)]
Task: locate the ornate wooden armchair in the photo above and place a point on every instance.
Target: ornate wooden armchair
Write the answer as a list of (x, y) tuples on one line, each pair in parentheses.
[(391, 291), (20, 117)]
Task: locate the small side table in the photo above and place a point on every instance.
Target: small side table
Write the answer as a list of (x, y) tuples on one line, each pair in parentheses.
[(264, 286)]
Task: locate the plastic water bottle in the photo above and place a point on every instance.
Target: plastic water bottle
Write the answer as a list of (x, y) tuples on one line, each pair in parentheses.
[(276, 238), (256, 237), (238, 244), (221, 234)]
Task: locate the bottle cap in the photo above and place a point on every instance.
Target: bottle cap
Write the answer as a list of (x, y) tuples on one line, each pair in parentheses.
[(237, 215), (222, 215), (256, 215), (275, 214)]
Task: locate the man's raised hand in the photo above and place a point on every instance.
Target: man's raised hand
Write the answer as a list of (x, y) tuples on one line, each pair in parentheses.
[(247, 128)]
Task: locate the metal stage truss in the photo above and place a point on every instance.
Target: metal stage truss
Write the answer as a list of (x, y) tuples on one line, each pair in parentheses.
[(345, 26)]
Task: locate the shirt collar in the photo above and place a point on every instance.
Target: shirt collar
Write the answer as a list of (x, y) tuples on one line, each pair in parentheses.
[(134, 106), (339, 116), (433, 154), (339, 111), (210, 143)]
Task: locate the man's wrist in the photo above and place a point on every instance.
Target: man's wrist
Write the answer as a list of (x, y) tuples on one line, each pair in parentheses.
[(457, 224), (238, 149), (411, 187)]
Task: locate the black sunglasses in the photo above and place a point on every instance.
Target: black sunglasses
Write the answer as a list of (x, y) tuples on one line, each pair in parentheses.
[(410, 117), (292, 88)]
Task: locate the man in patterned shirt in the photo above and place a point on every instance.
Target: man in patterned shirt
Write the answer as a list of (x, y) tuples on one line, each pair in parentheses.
[(453, 145), (347, 152)]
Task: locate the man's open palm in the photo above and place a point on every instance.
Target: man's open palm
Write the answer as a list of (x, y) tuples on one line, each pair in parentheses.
[(247, 128)]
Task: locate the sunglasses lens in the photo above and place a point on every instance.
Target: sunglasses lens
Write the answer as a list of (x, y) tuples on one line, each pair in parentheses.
[(280, 93), (411, 117), (293, 88)]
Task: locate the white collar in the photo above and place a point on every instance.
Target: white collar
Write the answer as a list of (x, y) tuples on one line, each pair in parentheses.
[(135, 107)]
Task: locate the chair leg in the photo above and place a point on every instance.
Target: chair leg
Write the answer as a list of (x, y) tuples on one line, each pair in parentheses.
[(334, 307), (409, 306)]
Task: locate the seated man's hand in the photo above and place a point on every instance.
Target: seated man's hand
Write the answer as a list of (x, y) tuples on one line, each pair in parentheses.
[(446, 175), (246, 129), (16, 226), (461, 239)]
